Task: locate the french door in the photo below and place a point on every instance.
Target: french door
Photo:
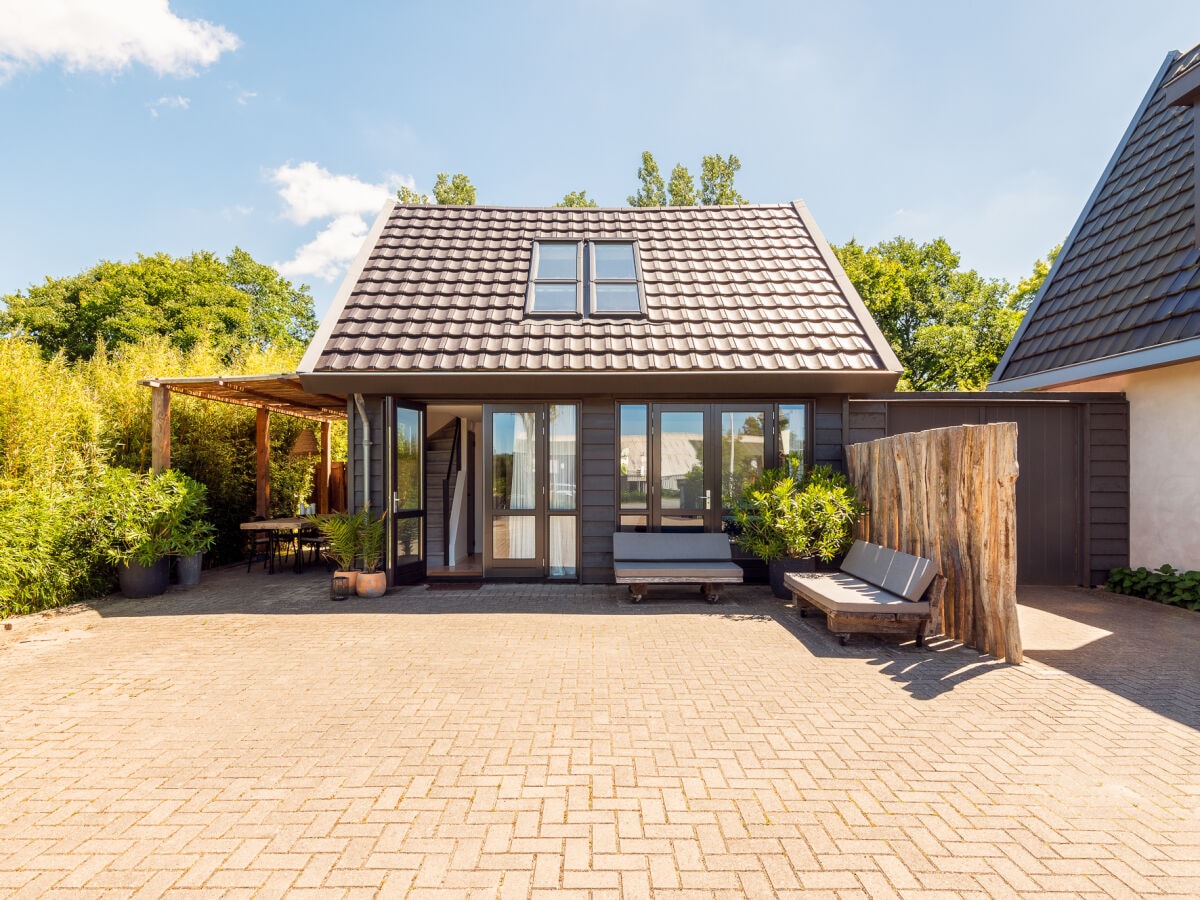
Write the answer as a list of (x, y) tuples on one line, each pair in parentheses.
[(693, 461), (531, 510), (408, 492)]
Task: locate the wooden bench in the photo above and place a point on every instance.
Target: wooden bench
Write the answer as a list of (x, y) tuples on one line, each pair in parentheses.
[(877, 591), (641, 559)]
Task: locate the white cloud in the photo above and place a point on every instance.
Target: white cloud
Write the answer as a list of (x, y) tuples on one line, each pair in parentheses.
[(107, 36), (176, 102), (325, 256), (312, 193), (245, 97)]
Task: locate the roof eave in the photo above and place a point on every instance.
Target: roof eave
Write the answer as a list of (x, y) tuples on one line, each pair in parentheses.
[(1119, 364)]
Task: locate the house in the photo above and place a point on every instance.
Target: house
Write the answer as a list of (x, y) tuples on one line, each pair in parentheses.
[(522, 383), (1120, 311)]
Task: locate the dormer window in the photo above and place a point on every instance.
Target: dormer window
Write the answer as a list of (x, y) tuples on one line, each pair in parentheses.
[(560, 270)]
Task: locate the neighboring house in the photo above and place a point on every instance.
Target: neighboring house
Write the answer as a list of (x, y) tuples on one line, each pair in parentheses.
[(1120, 311), (524, 382)]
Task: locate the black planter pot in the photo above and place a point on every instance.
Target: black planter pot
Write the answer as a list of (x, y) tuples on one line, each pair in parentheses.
[(144, 581), (780, 567)]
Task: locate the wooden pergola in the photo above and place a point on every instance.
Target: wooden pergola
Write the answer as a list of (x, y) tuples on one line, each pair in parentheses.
[(281, 393)]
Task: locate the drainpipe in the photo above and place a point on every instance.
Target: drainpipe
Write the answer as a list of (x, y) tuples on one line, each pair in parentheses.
[(366, 449)]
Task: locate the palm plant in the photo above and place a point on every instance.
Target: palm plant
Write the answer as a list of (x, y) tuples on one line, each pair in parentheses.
[(343, 531), (371, 534)]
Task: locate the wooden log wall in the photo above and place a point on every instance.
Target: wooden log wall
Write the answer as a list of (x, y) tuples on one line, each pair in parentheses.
[(949, 494)]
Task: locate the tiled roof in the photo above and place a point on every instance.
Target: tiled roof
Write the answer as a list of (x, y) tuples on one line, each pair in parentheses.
[(1129, 278), (727, 288)]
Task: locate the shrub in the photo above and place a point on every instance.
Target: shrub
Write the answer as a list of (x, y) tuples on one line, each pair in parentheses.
[(1164, 584), (781, 516)]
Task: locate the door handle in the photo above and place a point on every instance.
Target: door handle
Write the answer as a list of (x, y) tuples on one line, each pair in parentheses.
[(708, 499)]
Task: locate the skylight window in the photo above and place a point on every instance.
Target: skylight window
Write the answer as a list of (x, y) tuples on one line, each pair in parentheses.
[(556, 277), (615, 285), (561, 269)]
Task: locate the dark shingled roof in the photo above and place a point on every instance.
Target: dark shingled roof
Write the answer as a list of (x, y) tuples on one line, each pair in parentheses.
[(1129, 278), (727, 288)]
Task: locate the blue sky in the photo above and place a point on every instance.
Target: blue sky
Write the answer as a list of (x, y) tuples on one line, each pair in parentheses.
[(131, 126)]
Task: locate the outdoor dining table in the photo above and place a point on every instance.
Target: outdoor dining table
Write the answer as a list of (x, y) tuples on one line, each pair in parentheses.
[(276, 527)]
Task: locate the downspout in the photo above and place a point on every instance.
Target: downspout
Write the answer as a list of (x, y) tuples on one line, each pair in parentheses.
[(366, 450)]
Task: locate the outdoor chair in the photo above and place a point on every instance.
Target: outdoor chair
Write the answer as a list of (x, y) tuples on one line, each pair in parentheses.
[(258, 546), (312, 542)]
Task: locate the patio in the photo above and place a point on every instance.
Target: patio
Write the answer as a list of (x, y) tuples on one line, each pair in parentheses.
[(249, 737)]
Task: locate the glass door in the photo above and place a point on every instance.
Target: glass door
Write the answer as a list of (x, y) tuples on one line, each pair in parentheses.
[(744, 434), (514, 536), (408, 493), (531, 458), (680, 495)]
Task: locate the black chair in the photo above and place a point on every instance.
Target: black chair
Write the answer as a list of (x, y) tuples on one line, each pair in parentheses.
[(314, 543), (258, 546)]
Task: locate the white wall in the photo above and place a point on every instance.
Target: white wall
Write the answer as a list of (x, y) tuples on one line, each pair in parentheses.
[(1164, 462)]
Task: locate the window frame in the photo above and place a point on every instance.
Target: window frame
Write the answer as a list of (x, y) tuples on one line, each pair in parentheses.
[(636, 280), (534, 281)]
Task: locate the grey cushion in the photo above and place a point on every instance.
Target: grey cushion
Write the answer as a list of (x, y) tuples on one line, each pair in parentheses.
[(668, 546), (681, 571), (845, 593), (899, 573)]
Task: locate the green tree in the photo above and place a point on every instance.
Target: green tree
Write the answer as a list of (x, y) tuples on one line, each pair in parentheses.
[(681, 188), (448, 190), (234, 304), (716, 181), (455, 190), (652, 191), (1028, 287), (410, 197), (949, 327), (577, 198)]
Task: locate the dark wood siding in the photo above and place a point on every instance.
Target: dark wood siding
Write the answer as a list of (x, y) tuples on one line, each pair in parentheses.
[(1073, 487), (829, 438), (1107, 478), (599, 483), (375, 417)]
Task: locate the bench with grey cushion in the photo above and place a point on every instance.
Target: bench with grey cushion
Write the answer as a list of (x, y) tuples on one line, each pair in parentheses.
[(877, 591), (645, 558)]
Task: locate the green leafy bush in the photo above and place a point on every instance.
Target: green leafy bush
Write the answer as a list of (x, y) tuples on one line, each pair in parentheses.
[(1164, 584), (781, 516)]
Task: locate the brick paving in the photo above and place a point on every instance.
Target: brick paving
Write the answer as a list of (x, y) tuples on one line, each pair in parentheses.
[(251, 738)]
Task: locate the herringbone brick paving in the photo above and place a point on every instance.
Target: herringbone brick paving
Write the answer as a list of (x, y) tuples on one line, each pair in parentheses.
[(251, 738)]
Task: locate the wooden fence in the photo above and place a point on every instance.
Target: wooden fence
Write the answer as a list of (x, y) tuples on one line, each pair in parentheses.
[(949, 494)]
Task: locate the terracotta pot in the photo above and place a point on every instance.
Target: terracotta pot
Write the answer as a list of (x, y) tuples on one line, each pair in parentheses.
[(372, 584), (781, 567)]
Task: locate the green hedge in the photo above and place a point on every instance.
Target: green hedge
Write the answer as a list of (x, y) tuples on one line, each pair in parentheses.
[(1164, 584), (64, 425)]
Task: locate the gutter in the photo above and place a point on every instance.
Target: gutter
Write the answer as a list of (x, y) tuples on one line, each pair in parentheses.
[(366, 450)]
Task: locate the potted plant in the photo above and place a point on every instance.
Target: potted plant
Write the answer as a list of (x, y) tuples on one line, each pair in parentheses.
[(190, 535), (148, 518), (788, 522), (372, 532), (342, 530)]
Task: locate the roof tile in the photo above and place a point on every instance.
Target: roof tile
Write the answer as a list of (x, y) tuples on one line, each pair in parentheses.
[(726, 288)]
